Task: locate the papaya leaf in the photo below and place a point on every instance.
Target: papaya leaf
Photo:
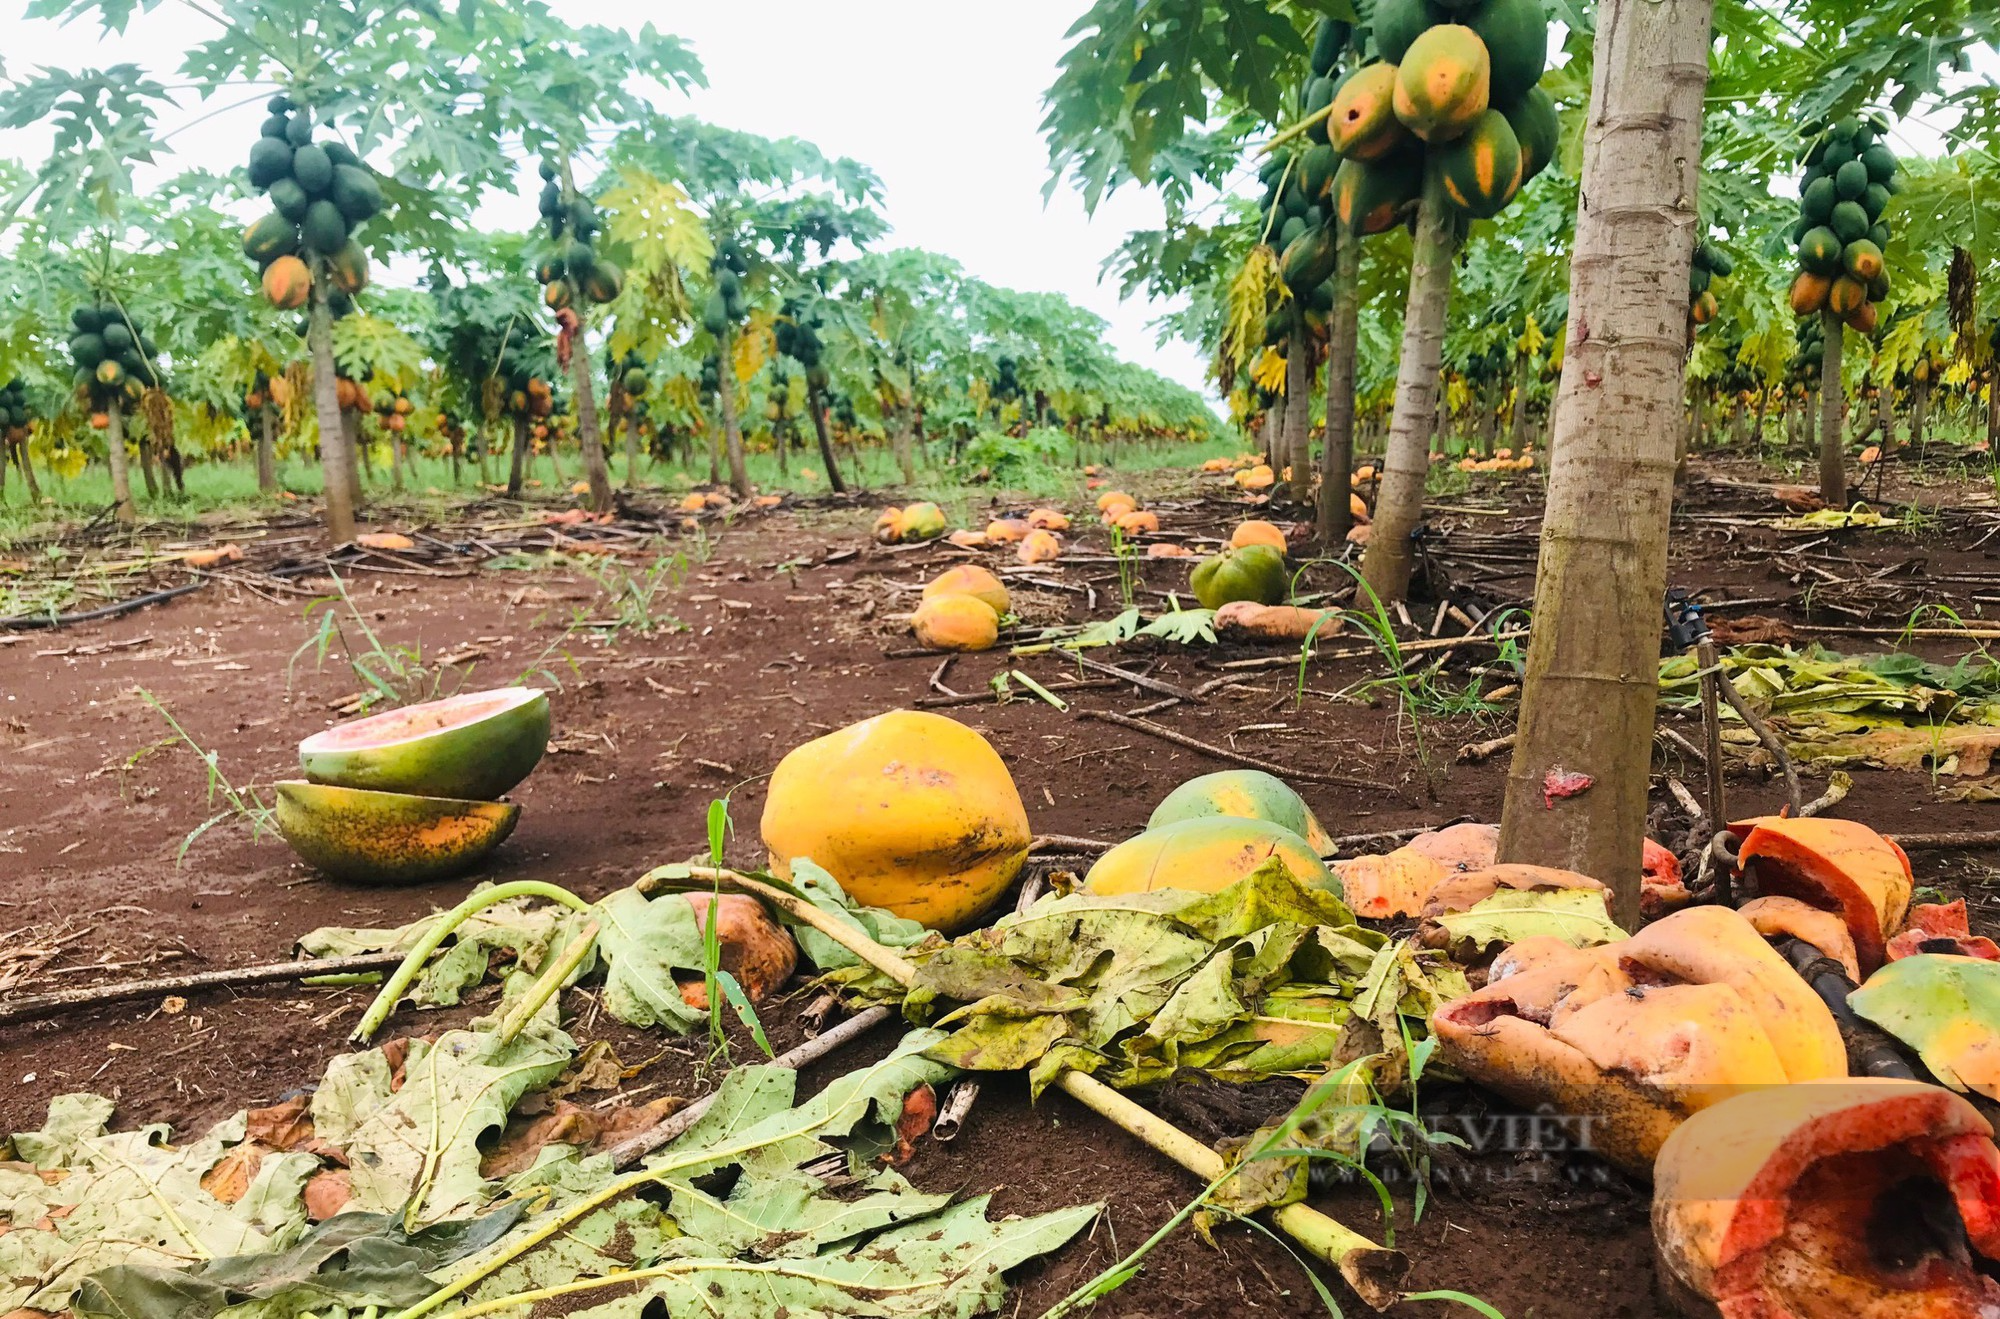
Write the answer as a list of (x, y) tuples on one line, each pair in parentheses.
[(1576, 916)]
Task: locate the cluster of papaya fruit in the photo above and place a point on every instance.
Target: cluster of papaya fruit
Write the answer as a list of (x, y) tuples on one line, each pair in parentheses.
[(628, 374), (112, 356), (1710, 264), (322, 194), (1810, 353), (393, 410), (267, 391), (797, 333), (575, 270), (726, 302), (1850, 176), (15, 412), (1449, 86)]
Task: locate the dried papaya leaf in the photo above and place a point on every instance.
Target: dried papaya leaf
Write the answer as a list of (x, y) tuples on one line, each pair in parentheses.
[(132, 1198), (419, 1145), (643, 941), (824, 891), (1945, 1007), (1576, 916), (355, 1259)]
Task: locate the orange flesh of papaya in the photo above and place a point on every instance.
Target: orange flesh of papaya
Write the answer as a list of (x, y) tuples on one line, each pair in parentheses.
[(1836, 865)]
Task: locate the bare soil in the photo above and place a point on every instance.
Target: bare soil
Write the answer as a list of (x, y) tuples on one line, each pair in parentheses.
[(783, 633)]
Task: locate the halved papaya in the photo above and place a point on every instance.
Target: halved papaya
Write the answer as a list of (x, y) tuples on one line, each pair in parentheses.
[(1204, 855), (476, 746), (1835, 865), (1244, 794), (1866, 1198), (367, 837)]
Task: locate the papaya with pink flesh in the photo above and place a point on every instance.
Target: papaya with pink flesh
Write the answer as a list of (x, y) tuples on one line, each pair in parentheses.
[(1852, 1198), (1836, 865), (476, 746)]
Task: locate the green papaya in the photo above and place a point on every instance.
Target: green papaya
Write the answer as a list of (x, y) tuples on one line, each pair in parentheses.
[(338, 153), (270, 160), (1537, 129), (1816, 203), (1253, 572), (1874, 201), (1878, 234), (324, 228), (313, 169), (349, 268), (1819, 251), (356, 193), (1316, 169), (1329, 39), (117, 338), (1516, 33), (634, 382), (1397, 23), (1481, 170), (87, 350), (299, 130), (1849, 221), (1369, 196), (1851, 180), (1290, 232), (1838, 152), (1880, 162), (290, 199), (1309, 259), (270, 238), (604, 282), (274, 127), (279, 104)]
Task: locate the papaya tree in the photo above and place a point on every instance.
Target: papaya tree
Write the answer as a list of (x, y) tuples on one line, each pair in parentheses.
[(445, 106), (765, 206)]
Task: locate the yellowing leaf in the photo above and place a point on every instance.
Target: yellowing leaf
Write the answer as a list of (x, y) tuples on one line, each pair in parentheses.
[(1576, 916)]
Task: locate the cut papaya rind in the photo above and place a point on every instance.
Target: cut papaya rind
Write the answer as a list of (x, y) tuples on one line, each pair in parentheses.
[(1630, 1038), (1779, 917), (1836, 865), (475, 746), (1784, 1193)]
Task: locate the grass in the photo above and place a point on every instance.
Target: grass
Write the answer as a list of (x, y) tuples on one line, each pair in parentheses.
[(243, 803)]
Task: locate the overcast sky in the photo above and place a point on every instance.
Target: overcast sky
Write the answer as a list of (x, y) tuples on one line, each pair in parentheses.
[(942, 100)]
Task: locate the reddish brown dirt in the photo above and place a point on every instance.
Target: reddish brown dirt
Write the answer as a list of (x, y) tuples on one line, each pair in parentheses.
[(95, 804)]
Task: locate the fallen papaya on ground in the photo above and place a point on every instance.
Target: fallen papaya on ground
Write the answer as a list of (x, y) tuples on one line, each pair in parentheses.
[(1632, 1037), (1205, 854), (1836, 865), (1857, 1198), (1247, 794)]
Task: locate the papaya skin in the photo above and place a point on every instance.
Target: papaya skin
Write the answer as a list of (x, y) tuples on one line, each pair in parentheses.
[(908, 810), (1203, 855), (365, 837)]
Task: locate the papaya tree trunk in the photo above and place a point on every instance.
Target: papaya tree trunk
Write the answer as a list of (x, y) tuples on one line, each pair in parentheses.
[(517, 467), (1336, 460), (1296, 443), (1489, 417), (267, 450), (1920, 407), (595, 469), (1993, 409), (632, 450), (114, 452), (335, 455), (732, 429), (816, 404), (482, 438), (1832, 417), (27, 468), (1406, 466), (1274, 432), (146, 467), (1576, 790), (359, 438), (1739, 424), (1757, 427), (904, 441), (1517, 420)]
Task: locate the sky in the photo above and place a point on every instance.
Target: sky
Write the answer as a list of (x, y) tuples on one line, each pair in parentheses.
[(943, 101)]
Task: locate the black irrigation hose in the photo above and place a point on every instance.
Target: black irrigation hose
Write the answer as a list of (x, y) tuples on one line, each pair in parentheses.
[(1871, 1051)]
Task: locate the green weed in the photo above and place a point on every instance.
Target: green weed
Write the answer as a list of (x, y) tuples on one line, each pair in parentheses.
[(389, 674), (244, 803)]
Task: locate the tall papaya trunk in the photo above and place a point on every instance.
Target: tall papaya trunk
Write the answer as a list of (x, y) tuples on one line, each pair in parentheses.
[(1833, 417), (1336, 462), (114, 452), (1295, 445), (267, 450), (1517, 419), (1757, 427), (904, 443), (483, 439), (1274, 432), (1739, 424), (335, 455), (632, 450), (395, 460), (816, 404), (1407, 465), (1488, 402), (589, 435), (27, 469), (146, 467), (517, 468), (1993, 408), (1576, 790), (1920, 407), (732, 430)]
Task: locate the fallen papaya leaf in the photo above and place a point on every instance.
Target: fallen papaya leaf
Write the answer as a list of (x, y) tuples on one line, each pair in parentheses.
[(234, 1171), (1945, 1007), (1577, 916)]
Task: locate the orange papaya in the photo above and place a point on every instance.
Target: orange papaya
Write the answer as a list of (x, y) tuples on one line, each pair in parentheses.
[(1444, 83)]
